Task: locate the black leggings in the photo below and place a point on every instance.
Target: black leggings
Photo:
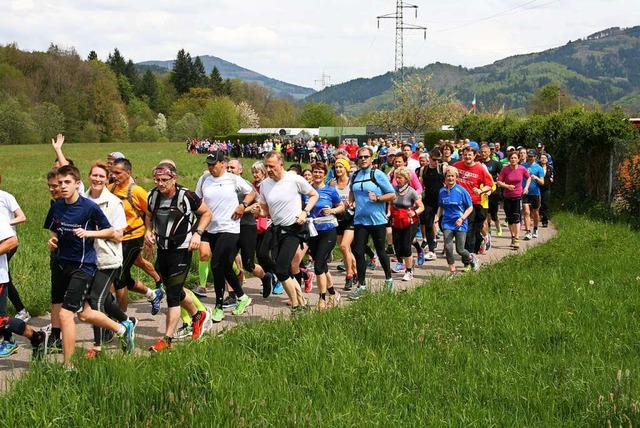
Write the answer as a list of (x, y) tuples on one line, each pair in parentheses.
[(173, 268), (265, 242), (8, 326), (361, 235), (286, 245), (224, 247), (320, 247), (402, 239), (100, 299), (427, 217), (14, 296), (247, 243), (476, 222)]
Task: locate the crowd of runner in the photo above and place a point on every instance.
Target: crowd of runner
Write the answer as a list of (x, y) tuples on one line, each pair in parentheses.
[(385, 203)]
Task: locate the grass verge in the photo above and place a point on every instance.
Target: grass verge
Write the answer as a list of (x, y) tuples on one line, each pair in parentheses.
[(545, 338)]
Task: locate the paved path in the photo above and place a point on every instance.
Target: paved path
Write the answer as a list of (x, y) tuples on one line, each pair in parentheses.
[(150, 327)]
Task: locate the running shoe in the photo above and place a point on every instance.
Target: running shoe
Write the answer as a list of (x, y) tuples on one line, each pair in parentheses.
[(322, 305), (54, 346), (419, 233), (198, 324), (398, 268), (333, 300), (39, 344), (279, 288), (357, 293), (475, 263), (160, 345), (200, 291), (388, 285), (499, 231), (185, 331), (23, 315), (208, 325), (348, 284), (487, 239), (430, 256), (218, 315), (155, 302), (453, 274), (341, 267), (545, 224), (408, 276), (424, 244), (8, 347), (515, 243), (438, 234), (230, 302), (107, 336), (243, 302), (535, 232), (127, 339), (267, 283), (373, 263), (527, 236), (308, 281), (421, 258), (483, 247), (92, 353)]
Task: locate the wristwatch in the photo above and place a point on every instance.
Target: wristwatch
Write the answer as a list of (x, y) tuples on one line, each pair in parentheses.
[(199, 232), (244, 204)]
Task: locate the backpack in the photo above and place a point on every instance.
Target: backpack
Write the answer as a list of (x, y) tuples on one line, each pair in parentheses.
[(372, 178), (177, 207)]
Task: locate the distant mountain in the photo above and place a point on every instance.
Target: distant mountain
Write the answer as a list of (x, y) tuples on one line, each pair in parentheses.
[(603, 67), (230, 70)]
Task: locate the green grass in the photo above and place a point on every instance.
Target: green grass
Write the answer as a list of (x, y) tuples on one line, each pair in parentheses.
[(23, 171), (538, 339)]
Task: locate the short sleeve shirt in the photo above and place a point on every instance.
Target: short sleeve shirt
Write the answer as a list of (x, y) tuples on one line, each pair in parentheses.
[(220, 194), (283, 197), (6, 232), (368, 212)]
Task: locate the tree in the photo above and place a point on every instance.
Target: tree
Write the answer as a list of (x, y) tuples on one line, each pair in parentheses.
[(181, 74), (198, 74), (550, 98), (216, 83), (187, 127), (105, 107), (48, 119), (116, 62), (125, 88), (92, 56), (219, 117), (161, 124), (247, 116), (16, 125), (314, 115), (149, 88)]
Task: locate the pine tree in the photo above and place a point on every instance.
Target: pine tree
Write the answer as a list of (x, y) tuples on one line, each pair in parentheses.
[(199, 74), (116, 62), (92, 55), (215, 82), (181, 74)]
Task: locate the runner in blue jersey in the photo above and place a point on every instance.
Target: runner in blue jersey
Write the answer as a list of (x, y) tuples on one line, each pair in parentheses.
[(531, 200)]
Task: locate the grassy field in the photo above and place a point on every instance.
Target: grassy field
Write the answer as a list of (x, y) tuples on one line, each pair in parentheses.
[(545, 338), (23, 171)]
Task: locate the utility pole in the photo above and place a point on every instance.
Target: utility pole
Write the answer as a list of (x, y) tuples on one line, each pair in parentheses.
[(400, 27)]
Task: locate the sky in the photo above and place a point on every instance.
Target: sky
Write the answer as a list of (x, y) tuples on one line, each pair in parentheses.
[(299, 41)]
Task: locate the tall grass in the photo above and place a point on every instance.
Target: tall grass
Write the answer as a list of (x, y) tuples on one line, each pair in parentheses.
[(544, 338)]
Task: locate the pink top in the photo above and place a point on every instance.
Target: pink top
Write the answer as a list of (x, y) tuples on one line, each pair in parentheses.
[(509, 175), (414, 182)]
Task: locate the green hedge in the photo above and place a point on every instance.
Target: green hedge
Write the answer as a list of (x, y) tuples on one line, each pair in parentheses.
[(431, 138), (581, 143)]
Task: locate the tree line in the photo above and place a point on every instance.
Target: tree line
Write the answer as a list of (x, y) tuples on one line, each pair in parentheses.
[(90, 100)]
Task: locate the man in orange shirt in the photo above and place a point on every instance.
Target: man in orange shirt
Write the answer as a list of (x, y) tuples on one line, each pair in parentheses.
[(134, 199)]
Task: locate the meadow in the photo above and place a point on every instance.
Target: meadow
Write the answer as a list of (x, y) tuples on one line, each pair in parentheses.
[(543, 338)]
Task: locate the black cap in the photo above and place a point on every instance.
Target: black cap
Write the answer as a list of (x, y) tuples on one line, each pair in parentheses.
[(532, 153), (215, 157)]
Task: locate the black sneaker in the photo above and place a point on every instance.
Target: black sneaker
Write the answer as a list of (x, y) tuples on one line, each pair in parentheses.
[(267, 283), (230, 302), (390, 251), (54, 346), (348, 284), (39, 344)]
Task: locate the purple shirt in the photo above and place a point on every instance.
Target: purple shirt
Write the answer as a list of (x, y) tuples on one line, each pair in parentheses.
[(512, 176)]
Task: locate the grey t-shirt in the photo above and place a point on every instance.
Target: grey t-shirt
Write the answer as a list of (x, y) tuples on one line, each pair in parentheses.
[(407, 200)]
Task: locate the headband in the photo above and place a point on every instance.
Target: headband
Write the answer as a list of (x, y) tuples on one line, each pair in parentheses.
[(164, 171)]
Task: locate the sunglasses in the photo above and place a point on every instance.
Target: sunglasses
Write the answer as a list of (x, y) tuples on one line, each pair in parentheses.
[(364, 157)]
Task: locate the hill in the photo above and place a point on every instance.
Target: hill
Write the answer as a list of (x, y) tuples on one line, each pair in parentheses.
[(229, 70), (602, 68)]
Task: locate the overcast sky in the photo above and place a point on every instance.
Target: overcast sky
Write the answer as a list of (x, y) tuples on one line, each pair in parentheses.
[(295, 41)]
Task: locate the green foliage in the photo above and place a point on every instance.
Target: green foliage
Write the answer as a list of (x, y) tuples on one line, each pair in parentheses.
[(182, 74), (314, 115), (146, 133), (431, 138), (548, 99), (188, 126), (48, 120), (219, 117), (16, 125)]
